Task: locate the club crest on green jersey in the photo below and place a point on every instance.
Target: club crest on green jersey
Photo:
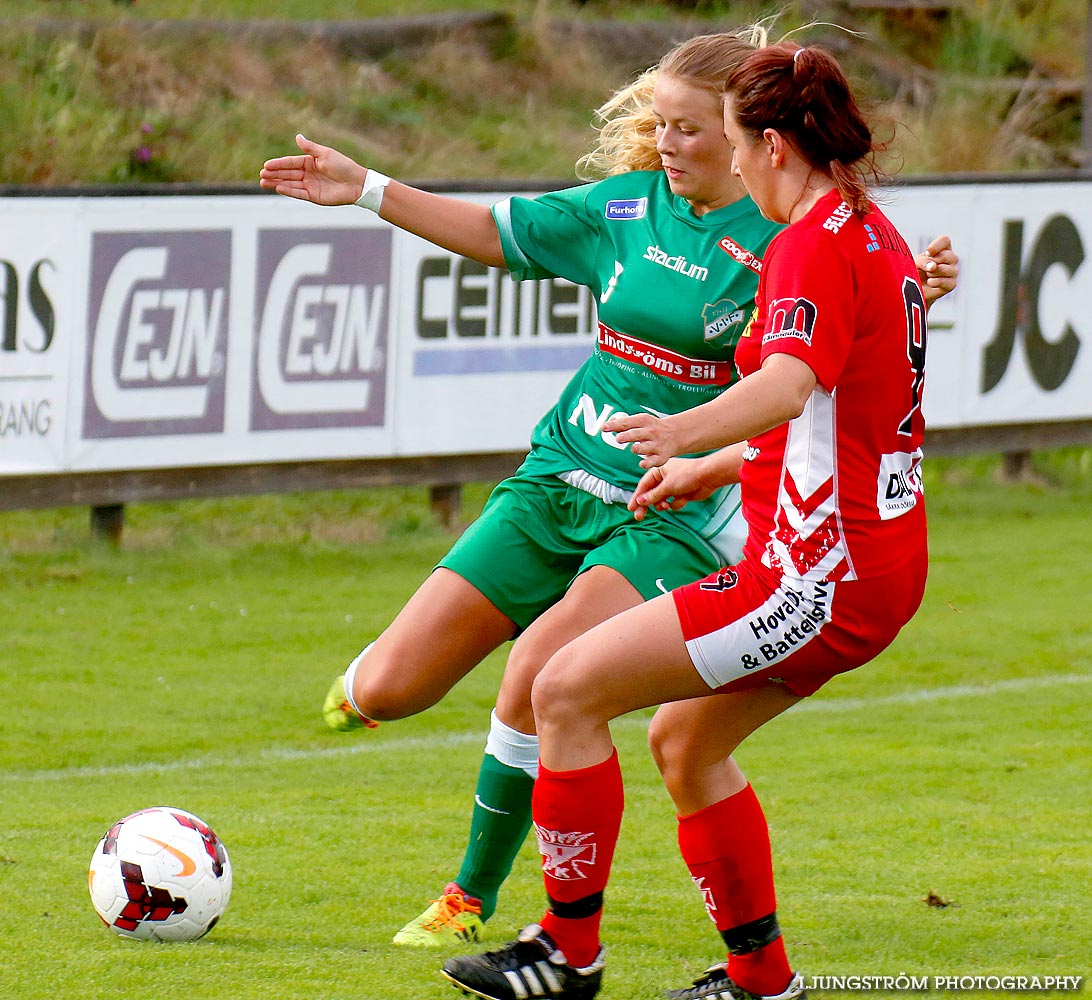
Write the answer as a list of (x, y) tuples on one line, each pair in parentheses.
[(722, 317)]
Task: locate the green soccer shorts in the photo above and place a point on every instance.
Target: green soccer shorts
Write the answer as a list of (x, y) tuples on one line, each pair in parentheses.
[(536, 534)]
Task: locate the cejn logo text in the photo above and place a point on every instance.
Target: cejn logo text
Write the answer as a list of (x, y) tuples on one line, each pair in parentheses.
[(158, 311), (320, 355)]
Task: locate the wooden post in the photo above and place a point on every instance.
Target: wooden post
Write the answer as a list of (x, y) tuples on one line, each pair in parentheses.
[(107, 522), (446, 501), (1016, 466)]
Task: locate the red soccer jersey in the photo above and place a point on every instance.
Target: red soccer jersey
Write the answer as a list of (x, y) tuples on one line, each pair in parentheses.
[(836, 493)]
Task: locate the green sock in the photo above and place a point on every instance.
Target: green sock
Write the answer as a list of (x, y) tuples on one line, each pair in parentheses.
[(498, 826)]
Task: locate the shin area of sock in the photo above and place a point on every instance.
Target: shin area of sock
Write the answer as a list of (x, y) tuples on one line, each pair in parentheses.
[(577, 815)]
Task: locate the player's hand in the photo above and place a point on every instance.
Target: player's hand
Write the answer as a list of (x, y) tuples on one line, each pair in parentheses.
[(647, 435), (322, 175), (672, 486), (938, 268)]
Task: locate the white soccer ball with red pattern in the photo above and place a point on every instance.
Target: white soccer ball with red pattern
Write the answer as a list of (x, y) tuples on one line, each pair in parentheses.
[(160, 874)]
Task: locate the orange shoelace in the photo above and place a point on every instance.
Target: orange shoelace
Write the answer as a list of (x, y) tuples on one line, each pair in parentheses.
[(451, 905)]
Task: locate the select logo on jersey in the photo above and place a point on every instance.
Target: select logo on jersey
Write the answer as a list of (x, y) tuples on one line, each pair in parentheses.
[(791, 318), (722, 318), (741, 254), (899, 486), (590, 417), (612, 284), (750, 323), (157, 312), (565, 854), (838, 218), (320, 355), (626, 209)]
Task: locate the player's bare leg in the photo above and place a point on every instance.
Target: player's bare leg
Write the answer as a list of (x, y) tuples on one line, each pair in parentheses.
[(692, 742), (723, 834), (501, 814), (627, 663), (445, 629), (597, 594)]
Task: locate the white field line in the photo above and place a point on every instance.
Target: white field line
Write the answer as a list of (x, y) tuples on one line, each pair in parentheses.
[(366, 746)]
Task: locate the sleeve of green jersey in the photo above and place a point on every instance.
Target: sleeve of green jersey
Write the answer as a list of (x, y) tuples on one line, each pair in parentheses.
[(552, 236)]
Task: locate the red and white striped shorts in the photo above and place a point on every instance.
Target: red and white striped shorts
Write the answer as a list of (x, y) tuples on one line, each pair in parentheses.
[(745, 626)]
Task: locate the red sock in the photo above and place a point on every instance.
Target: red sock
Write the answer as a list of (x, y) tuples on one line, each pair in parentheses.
[(577, 815), (726, 846)]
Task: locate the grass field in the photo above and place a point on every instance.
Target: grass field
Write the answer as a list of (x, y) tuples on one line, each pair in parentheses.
[(187, 669)]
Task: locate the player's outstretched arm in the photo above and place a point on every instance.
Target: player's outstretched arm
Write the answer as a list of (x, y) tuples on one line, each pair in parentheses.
[(324, 176), (320, 175)]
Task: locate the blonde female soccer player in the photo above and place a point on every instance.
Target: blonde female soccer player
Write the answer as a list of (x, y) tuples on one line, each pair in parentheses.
[(671, 246), (824, 433)]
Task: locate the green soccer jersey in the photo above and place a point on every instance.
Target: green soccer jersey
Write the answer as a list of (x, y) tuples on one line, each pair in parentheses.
[(674, 292)]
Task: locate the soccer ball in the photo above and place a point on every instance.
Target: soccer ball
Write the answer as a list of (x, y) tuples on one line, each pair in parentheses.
[(160, 874)]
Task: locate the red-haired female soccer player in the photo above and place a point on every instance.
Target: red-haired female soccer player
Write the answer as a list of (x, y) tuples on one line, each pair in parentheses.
[(824, 432), (556, 551)]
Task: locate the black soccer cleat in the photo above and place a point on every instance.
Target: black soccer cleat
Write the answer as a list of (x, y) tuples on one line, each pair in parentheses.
[(529, 968), (715, 984)]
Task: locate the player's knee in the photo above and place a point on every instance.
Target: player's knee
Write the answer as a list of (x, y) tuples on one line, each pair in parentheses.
[(527, 659), (558, 691), (525, 662), (669, 749), (658, 739), (377, 703), (384, 694), (514, 704)]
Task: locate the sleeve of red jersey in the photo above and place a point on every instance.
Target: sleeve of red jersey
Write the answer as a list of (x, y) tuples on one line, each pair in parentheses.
[(810, 292)]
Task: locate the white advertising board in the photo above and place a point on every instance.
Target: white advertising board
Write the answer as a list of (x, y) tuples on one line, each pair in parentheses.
[(481, 357), (183, 330), (1013, 343), (36, 338), (217, 331)]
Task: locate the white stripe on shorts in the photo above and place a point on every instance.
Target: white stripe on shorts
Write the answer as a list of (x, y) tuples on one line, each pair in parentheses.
[(782, 625)]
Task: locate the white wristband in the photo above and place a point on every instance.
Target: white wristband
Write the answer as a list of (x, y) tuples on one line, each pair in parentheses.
[(371, 195)]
